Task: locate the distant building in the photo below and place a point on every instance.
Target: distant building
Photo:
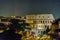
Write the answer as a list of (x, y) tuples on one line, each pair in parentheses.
[(2, 18), (40, 21), (18, 17), (35, 19)]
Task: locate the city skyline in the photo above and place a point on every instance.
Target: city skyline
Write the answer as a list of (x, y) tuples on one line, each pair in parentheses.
[(23, 7)]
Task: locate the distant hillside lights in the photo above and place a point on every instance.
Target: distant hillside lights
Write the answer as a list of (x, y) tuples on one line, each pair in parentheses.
[(38, 22), (35, 19)]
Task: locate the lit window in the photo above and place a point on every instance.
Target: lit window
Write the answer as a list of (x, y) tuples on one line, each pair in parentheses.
[(48, 16), (43, 21), (43, 16), (48, 21), (39, 25), (39, 16), (20, 22)]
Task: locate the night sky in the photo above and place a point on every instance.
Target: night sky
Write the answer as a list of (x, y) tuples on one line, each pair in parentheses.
[(23, 7)]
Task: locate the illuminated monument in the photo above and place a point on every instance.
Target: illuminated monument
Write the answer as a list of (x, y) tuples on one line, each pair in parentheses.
[(40, 21)]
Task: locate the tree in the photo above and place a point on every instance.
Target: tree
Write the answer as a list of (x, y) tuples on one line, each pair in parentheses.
[(55, 29), (18, 24), (8, 34)]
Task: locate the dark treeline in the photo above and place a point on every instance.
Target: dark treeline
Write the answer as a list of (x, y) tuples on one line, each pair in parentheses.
[(10, 34)]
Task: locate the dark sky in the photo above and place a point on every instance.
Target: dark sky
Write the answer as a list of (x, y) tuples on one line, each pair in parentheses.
[(23, 7)]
